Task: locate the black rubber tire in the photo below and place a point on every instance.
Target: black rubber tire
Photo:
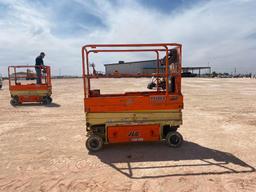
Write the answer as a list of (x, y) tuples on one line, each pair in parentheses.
[(151, 85), (163, 86), (47, 100), (50, 99), (174, 139), (94, 143), (15, 101)]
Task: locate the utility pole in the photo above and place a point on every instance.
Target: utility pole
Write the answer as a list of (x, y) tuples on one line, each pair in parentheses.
[(210, 71), (60, 72)]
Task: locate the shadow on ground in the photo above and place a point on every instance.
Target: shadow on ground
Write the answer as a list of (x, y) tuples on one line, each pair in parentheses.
[(169, 158), (38, 104), (53, 105)]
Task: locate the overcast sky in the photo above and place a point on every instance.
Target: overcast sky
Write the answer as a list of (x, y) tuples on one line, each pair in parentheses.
[(219, 33)]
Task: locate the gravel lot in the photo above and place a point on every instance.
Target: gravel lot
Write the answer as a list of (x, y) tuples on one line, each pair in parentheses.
[(42, 148)]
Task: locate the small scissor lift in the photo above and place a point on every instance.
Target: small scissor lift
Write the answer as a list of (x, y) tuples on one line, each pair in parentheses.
[(23, 87), (135, 116)]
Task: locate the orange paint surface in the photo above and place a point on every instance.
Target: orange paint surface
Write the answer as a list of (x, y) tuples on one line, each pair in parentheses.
[(30, 99), (133, 133), (131, 103), (29, 87)]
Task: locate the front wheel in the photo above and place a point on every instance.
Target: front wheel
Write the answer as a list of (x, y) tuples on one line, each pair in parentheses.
[(174, 139), (94, 143), (15, 101)]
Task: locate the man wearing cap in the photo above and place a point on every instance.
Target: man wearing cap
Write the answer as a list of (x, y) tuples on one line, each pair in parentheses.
[(38, 67)]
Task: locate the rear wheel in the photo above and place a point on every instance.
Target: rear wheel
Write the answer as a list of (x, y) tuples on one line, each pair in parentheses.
[(174, 139), (94, 143), (47, 100), (50, 99)]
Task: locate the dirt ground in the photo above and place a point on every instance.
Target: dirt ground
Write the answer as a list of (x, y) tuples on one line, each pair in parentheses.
[(42, 148)]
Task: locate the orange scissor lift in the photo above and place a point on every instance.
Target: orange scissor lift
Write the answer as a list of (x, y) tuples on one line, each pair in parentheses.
[(22, 90), (135, 116)]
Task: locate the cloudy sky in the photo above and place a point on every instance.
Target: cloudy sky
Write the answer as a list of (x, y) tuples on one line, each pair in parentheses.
[(218, 33)]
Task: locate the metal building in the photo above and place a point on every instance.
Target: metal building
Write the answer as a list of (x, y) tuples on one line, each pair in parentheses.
[(147, 68), (136, 67)]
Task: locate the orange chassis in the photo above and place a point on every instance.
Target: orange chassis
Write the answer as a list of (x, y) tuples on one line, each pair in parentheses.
[(22, 92), (135, 116)]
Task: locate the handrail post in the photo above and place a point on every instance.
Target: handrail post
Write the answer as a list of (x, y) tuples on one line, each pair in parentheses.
[(88, 75), (83, 69), (166, 71), (157, 78)]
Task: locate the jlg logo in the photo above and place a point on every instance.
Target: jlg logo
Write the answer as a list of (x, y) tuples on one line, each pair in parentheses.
[(133, 134)]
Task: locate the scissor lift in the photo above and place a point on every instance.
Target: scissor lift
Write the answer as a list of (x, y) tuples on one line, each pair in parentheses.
[(23, 89), (135, 116)]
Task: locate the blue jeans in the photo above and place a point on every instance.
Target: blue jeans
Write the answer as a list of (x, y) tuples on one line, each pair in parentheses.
[(38, 76)]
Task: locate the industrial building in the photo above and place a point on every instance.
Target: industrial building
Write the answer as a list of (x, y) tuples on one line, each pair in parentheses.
[(148, 67)]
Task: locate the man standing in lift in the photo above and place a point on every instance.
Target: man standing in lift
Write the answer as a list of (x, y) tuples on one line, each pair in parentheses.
[(38, 67)]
